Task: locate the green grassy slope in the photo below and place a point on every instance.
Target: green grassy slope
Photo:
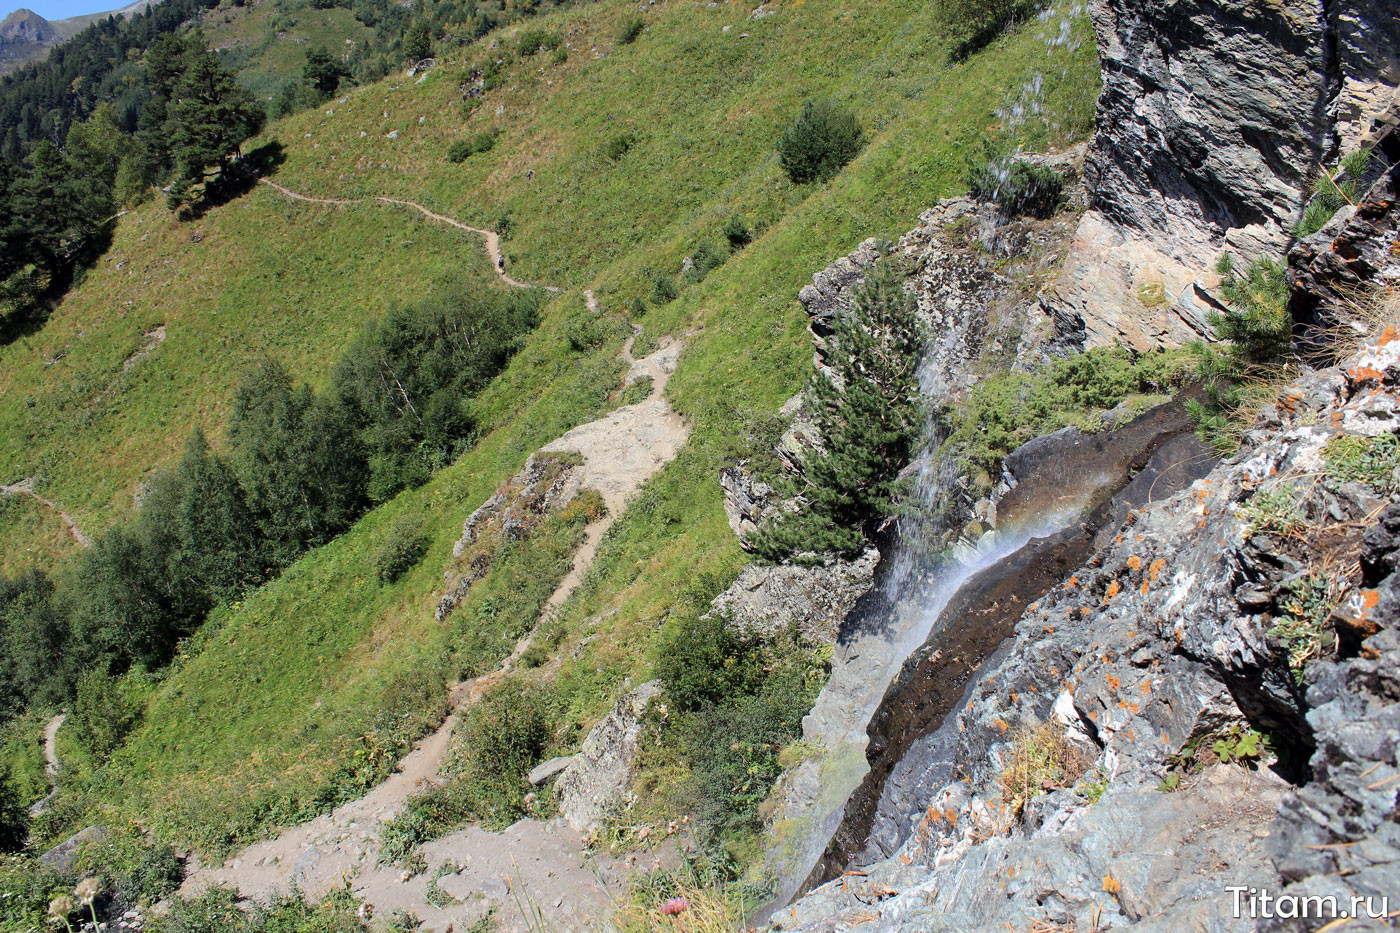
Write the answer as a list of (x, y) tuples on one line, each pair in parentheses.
[(266, 45), (284, 701), (88, 410)]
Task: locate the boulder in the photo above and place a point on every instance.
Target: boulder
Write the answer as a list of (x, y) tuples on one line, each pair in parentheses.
[(769, 599), (600, 776)]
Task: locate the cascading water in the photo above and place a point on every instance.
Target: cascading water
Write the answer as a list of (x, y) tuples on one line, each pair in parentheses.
[(828, 804)]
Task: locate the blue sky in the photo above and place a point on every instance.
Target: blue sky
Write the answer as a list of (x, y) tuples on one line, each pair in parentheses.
[(62, 9)]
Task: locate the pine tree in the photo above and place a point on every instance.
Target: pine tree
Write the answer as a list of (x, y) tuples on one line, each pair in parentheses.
[(866, 408), (323, 72), (820, 142), (418, 42), (209, 118)]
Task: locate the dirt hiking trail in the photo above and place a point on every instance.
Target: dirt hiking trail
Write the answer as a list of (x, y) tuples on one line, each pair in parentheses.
[(25, 487), (492, 239), (475, 872), (50, 764)]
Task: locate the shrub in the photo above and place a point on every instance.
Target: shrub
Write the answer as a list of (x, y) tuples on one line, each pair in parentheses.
[(972, 25), (102, 715), (1041, 760), (537, 40), (631, 28), (737, 232), (663, 288), (561, 55), (14, 820), (463, 149), (704, 660), (1374, 461), (1017, 188), (403, 548), (820, 142), (418, 42), (586, 331), (703, 261), (619, 145)]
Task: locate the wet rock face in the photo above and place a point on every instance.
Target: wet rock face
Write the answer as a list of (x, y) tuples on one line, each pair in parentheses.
[(1165, 641)]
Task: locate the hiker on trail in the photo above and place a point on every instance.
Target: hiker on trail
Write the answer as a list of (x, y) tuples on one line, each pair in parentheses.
[(530, 173), (501, 263)]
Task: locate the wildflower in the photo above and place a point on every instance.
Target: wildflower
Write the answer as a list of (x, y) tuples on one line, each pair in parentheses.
[(87, 890), (675, 906), (59, 909)]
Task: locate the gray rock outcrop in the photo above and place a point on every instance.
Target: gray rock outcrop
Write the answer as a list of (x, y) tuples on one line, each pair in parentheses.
[(1213, 119), (600, 776), (771, 599), (1171, 642)]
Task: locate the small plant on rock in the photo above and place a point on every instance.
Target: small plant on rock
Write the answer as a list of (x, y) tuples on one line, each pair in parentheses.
[(1332, 191), (1374, 461), (1041, 760), (1241, 747)]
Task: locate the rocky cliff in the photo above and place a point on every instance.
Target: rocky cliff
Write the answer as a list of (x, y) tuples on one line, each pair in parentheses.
[(1213, 121), (1160, 678)]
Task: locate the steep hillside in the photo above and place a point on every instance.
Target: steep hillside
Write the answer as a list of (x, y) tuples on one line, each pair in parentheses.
[(346, 671)]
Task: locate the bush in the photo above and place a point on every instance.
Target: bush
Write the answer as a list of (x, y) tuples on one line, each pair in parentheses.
[(102, 715), (537, 40), (737, 232), (618, 146), (663, 288), (703, 261), (14, 819), (1018, 188), (463, 149), (418, 42), (631, 28), (403, 548), (971, 25), (820, 142), (586, 331), (704, 660)]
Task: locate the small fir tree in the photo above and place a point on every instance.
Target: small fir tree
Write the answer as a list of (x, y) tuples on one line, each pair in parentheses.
[(867, 410)]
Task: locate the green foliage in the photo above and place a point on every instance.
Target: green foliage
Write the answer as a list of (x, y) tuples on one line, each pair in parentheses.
[(703, 661), (1374, 461), (418, 42), (866, 408), (135, 872), (102, 715), (1258, 325), (14, 819), (1005, 411), (463, 149), (26, 886), (1304, 625), (499, 740), (1332, 191), (538, 40), (1240, 747), (820, 142), (663, 288), (636, 391), (219, 910), (737, 232), (403, 548), (703, 261), (586, 331), (32, 642), (1014, 185), (972, 25), (1273, 511), (619, 145), (631, 28)]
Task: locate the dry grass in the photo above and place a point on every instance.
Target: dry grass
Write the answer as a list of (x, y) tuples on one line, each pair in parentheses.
[(1041, 760), (707, 910)]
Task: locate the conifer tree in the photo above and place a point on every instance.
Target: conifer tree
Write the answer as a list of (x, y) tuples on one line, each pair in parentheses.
[(866, 408)]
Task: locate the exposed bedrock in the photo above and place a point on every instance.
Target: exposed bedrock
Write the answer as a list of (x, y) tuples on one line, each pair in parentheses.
[(1214, 117)]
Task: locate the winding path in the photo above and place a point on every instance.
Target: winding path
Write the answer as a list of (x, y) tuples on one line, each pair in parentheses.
[(492, 239), (474, 871), (25, 487), (50, 764)]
